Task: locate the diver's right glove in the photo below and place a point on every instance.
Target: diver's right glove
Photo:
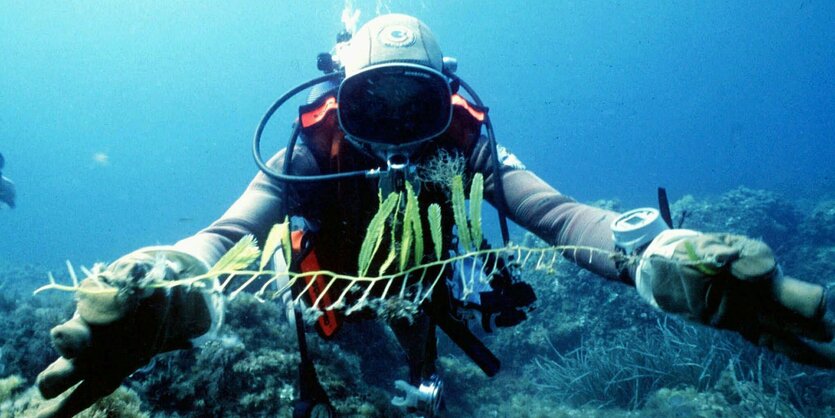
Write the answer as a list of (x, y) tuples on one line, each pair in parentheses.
[(122, 320), (733, 282)]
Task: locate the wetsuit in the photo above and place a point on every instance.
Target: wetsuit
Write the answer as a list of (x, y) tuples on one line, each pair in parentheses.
[(340, 211)]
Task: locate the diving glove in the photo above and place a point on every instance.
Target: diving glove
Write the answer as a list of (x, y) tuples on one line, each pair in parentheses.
[(123, 318), (733, 282)]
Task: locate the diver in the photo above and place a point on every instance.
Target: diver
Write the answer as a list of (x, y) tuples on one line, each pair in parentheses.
[(7, 189), (388, 104)]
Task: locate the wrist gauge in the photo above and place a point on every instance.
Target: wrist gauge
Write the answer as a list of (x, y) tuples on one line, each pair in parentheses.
[(635, 229)]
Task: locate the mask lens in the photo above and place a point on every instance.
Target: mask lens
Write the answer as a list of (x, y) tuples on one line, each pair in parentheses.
[(394, 105)]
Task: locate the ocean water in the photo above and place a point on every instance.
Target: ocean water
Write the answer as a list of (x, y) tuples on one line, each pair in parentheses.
[(129, 123), (125, 124)]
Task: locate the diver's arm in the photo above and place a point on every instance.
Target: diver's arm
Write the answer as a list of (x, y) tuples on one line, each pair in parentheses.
[(254, 212), (722, 280), (117, 329), (554, 217)]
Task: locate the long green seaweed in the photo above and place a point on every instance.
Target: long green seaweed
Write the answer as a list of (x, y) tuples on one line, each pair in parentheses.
[(374, 233), (476, 197), (279, 236), (459, 213), (415, 276), (239, 257), (427, 275), (435, 230), (408, 231)]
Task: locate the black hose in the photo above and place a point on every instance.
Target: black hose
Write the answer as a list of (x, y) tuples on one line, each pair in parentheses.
[(256, 141), (500, 200)]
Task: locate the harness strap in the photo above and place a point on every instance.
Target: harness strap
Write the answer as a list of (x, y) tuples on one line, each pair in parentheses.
[(329, 322), (476, 113), (310, 117)]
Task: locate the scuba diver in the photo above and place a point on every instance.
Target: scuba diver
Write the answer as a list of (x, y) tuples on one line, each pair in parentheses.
[(7, 189), (388, 104)]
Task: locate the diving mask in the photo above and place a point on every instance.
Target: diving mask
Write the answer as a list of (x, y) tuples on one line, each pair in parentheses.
[(393, 106)]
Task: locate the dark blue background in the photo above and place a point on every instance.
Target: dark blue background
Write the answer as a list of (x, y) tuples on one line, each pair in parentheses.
[(602, 99)]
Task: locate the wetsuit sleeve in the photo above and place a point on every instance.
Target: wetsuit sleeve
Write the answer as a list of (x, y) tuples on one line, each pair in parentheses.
[(254, 212), (558, 219)]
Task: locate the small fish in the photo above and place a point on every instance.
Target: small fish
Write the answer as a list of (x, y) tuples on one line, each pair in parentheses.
[(101, 159)]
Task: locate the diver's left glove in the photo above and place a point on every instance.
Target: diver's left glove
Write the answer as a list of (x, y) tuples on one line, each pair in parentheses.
[(124, 318), (733, 282)]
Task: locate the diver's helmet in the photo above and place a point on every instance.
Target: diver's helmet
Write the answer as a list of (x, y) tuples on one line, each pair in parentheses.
[(395, 96)]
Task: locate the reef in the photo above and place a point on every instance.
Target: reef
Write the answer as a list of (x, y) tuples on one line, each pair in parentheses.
[(761, 214), (590, 348)]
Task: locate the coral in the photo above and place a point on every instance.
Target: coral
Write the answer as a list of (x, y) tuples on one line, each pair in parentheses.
[(686, 402), (123, 403), (24, 404), (614, 205), (810, 262), (819, 226), (536, 406), (24, 333), (241, 374), (18, 279), (254, 372), (8, 386), (764, 392), (756, 213), (572, 306), (601, 350), (441, 168), (803, 245)]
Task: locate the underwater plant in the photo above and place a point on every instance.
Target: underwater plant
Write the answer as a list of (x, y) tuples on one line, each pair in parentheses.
[(401, 289), (439, 170), (584, 331)]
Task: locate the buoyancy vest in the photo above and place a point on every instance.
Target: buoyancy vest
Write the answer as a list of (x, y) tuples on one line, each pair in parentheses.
[(342, 209)]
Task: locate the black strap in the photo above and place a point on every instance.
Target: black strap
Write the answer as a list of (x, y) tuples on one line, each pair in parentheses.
[(664, 207), (440, 312), (311, 391)]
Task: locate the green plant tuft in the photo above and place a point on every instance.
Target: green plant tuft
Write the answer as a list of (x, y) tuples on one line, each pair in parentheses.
[(239, 257), (459, 212), (374, 233), (279, 235), (435, 229), (476, 198)]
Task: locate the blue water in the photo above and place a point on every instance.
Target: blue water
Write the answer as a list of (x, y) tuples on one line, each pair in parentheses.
[(126, 124)]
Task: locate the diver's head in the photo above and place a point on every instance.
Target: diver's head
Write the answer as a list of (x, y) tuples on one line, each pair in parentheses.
[(395, 96)]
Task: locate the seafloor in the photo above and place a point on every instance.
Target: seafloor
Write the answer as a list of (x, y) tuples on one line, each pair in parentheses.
[(591, 348)]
